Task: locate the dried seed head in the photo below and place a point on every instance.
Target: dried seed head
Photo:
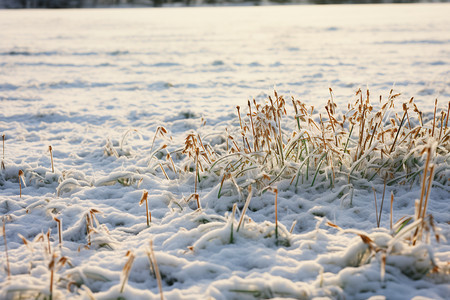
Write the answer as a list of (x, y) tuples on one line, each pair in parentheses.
[(144, 197), (366, 240), (333, 225)]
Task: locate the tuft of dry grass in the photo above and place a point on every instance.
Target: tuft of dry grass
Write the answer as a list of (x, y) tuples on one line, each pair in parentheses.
[(92, 224), (368, 140)]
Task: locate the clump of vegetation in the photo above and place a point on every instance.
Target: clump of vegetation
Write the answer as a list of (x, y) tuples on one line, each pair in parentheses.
[(365, 141)]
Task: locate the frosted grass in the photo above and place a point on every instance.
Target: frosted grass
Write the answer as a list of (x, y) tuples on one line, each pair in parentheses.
[(80, 80)]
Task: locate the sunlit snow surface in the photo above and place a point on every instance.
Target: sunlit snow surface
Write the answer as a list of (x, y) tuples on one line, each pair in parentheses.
[(79, 79)]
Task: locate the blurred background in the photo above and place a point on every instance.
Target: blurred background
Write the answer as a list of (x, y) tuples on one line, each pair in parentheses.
[(157, 3)]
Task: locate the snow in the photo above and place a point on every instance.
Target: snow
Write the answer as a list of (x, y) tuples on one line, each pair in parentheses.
[(96, 84)]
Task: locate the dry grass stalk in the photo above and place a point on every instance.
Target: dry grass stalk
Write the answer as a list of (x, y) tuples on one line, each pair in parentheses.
[(197, 174), (422, 212), (255, 138), (376, 207), (197, 199), (54, 265), (164, 172), (157, 273), (51, 157), (233, 215), (434, 117), (21, 179), (442, 124), (424, 181), (161, 131), (59, 229), (147, 212), (51, 267), (293, 226), (425, 192), (127, 269), (240, 123), (122, 142), (169, 158), (383, 266), (382, 201), (247, 202), (446, 121), (390, 217), (3, 157), (4, 218), (276, 212), (91, 223), (49, 248)]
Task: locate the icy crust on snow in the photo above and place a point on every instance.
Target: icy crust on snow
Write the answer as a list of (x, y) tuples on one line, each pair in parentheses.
[(80, 80)]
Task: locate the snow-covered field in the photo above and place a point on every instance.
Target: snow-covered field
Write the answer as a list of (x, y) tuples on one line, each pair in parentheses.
[(96, 85)]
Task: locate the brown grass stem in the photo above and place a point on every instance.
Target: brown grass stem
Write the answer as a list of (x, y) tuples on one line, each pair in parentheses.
[(255, 137), (448, 112), (51, 267), (6, 247), (390, 217), (127, 269), (382, 200), (162, 132), (430, 180), (169, 158), (197, 151), (376, 206), (58, 221), (157, 273), (293, 226), (148, 214), (247, 202), (442, 125), (3, 157), (434, 117), (164, 172), (21, 178), (51, 157), (275, 190), (240, 123), (425, 172), (398, 132)]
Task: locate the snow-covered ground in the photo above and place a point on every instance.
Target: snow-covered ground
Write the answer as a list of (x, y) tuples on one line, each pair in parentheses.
[(96, 85)]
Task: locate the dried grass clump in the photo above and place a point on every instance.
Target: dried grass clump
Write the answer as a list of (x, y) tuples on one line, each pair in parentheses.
[(369, 140)]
